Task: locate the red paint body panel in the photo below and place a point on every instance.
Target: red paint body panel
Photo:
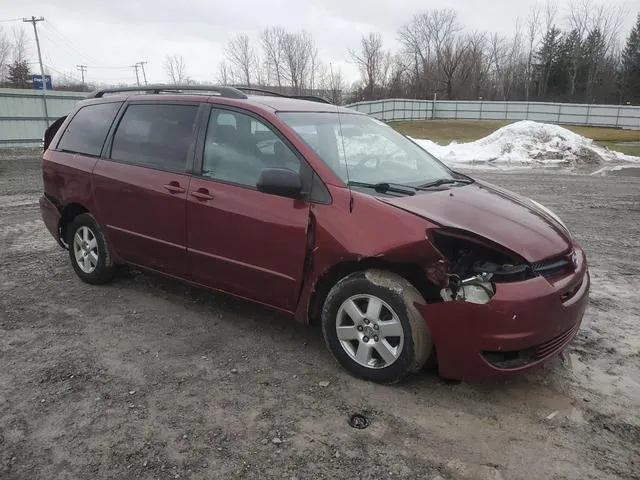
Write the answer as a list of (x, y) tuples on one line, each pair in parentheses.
[(371, 230), (247, 242), (485, 211), (145, 222), (50, 216), (67, 178)]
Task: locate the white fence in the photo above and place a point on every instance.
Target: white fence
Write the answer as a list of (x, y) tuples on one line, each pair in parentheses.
[(22, 118), (621, 116)]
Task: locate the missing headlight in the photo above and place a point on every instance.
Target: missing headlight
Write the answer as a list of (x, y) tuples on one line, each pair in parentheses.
[(478, 289), (469, 256), (475, 265)]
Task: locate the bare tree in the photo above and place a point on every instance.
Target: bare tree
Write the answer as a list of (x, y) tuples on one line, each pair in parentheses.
[(315, 67), (271, 41), (415, 37), (476, 64), (20, 44), (5, 53), (175, 68), (333, 82), (534, 28), (373, 63), (451, 56), (512, 73), (432, 45), (242, 57), (298, 54), (224, 75)]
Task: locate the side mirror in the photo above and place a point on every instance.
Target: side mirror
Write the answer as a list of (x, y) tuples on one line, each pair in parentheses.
[(280, 181)]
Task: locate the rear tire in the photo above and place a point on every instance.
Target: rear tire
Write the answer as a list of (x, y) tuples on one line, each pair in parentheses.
[(88, 250), (372, 327)]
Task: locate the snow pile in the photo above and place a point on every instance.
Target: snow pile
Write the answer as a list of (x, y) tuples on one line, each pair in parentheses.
[(526, 144)]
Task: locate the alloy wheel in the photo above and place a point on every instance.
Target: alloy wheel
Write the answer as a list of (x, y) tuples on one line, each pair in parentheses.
[(369, 331), (85, 248)]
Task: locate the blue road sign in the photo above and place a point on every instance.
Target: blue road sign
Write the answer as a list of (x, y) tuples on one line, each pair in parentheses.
[(37, 82)]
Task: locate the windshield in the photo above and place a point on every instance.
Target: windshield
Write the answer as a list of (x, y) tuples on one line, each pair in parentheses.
[(372, 151)]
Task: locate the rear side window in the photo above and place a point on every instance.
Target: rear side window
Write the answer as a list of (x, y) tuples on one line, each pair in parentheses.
[(88, 129), (156, 136)]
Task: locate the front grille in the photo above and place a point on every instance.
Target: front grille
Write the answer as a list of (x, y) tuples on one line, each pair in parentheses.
[(554, 266), (520, 358), (551, 346)]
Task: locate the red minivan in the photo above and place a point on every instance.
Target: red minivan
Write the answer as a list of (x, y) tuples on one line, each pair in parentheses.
[(320, 212)]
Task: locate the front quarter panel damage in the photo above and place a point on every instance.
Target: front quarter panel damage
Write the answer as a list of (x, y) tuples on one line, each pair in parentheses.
[(366, 236)]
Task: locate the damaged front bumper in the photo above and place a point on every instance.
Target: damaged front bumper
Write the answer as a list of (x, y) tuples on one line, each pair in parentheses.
[(524, 324)]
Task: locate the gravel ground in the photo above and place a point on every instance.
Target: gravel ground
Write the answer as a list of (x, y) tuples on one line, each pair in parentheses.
[(148, 379)]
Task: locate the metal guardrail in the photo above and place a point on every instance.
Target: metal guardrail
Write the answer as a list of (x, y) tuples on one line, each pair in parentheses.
[(22, 119)]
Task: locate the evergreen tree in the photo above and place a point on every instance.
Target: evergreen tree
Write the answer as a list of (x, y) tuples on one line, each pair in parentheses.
[(630, 69), (573, 48), (19, 74), (593, 52), (547, 57)]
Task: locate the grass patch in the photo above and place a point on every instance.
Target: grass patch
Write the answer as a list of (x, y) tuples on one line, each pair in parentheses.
[(446, 131), (630, 148)]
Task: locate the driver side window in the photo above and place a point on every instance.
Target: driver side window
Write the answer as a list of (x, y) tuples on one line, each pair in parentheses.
[(238, 147)]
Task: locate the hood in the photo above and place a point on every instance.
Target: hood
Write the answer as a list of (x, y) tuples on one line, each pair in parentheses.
[(496, 214)]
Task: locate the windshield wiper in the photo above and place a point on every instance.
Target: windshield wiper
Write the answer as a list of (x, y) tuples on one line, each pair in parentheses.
[(446, 181), (384, 187)]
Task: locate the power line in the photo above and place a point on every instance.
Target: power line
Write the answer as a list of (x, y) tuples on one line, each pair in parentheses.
[(65, 76), (110, 68), (56, 31), (11, 20), (60, 47)]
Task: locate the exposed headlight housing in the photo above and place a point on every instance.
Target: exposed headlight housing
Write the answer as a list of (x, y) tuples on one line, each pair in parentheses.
[(552, 215)]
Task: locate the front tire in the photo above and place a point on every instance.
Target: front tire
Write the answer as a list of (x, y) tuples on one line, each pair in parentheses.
[(372, 328), (88, 250)]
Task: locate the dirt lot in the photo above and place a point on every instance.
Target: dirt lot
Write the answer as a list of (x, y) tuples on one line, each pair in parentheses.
[(146, 378)]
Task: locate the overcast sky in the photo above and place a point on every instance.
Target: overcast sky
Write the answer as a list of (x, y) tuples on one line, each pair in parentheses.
[(119, 33)]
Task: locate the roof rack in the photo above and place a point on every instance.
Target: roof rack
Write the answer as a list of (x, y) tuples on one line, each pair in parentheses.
[(311, 98), (261, 90), (228, 92)]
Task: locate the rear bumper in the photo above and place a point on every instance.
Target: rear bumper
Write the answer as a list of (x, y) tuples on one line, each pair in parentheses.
[(50, 217), (525, 324)]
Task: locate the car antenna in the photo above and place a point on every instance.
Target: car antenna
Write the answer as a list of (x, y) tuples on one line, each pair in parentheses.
[(344, 152)]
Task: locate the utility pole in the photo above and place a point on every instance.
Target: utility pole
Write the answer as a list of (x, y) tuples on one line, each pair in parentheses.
[(144, 74), (33, 20), (137, 76), (83, 69)]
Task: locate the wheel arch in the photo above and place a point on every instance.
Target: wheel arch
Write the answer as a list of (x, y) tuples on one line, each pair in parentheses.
[(411, 272), (67, 214)]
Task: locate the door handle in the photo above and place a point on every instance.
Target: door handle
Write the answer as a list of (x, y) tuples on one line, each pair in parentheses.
[(174, 187), (202, 194)]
